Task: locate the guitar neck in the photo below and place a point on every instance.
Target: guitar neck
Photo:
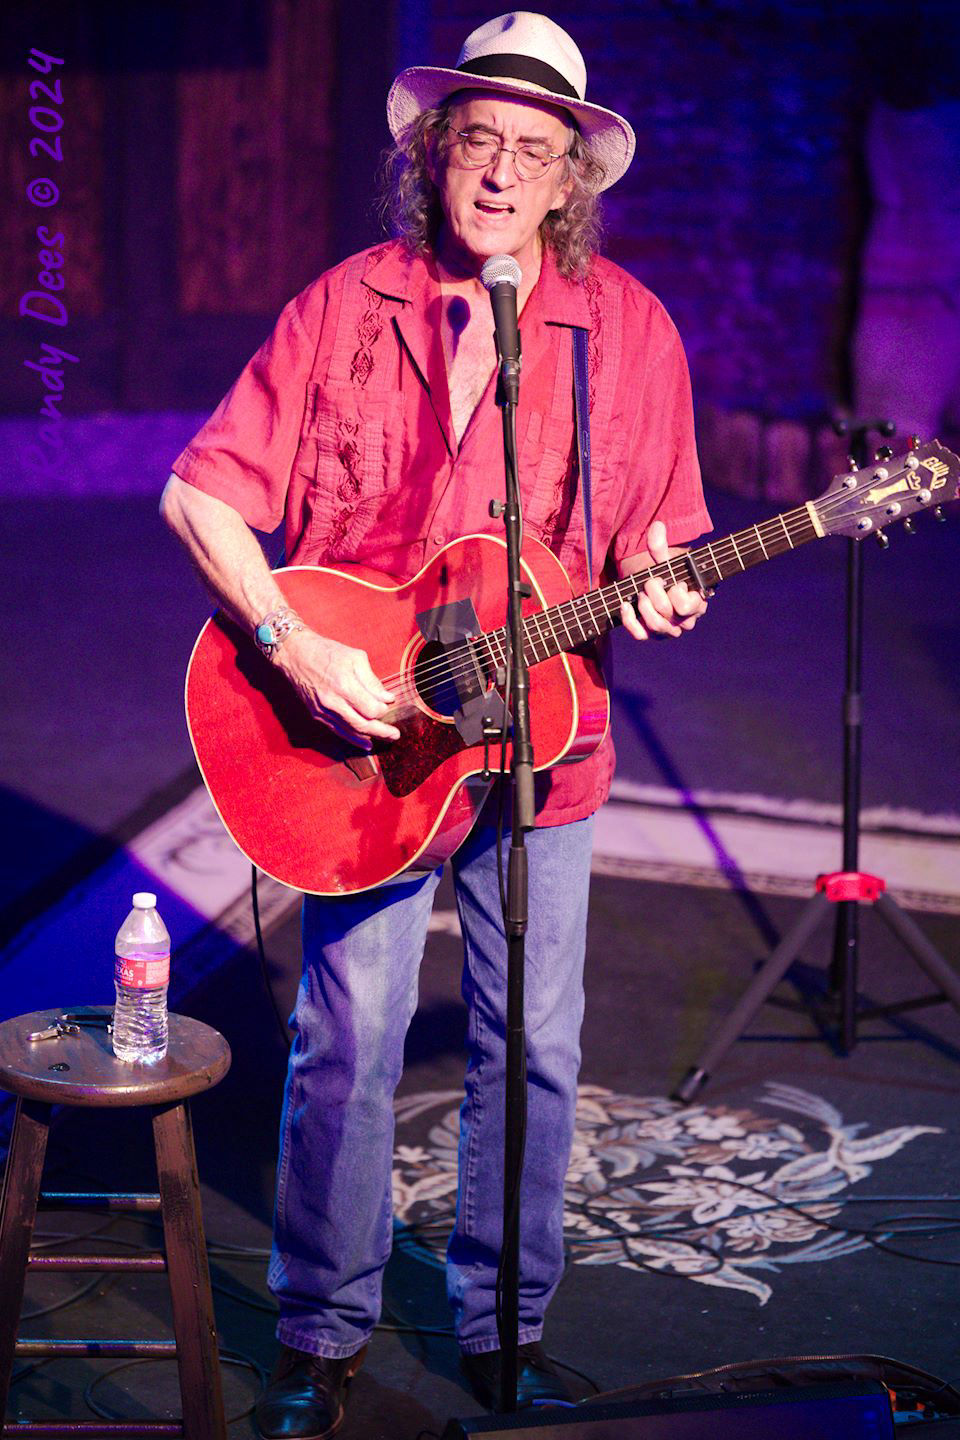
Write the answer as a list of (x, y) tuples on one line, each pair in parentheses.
[(585, 617)]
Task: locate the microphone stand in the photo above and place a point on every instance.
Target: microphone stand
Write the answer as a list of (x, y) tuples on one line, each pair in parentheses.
[(848, 888), (846, 937), (521, 769)]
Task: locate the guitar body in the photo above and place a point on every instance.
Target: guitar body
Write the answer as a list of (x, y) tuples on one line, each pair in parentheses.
[(307, 807), (318, 814)]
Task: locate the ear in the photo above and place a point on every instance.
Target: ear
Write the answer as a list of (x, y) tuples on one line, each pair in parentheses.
[(432, 158), (563, 194), (566, 190)]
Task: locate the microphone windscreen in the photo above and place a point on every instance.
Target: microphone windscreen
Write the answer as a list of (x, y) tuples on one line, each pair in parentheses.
[(500, 268)]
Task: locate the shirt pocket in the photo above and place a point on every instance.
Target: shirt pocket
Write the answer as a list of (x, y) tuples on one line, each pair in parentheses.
[(555, 508), (347, 460), (548, 469)]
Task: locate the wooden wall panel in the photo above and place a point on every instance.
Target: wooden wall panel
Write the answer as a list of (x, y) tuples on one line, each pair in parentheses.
[(255, 169), (78, 213), (203, 169)]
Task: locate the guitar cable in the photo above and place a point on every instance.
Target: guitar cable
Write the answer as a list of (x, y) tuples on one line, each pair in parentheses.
[(262, 955), (282, 1025), (501, 806)]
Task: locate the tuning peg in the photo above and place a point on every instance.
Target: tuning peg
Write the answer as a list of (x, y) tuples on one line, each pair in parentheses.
[(938, 511), (852, 464), (883, 540), (914, 442), (883, 453), (909, 526)]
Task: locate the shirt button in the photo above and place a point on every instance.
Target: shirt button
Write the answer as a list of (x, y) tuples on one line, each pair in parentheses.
[(438, 539)]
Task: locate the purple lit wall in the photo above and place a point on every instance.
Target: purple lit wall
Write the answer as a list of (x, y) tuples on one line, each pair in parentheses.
[(747, 207), (793, 202), (210, 171)]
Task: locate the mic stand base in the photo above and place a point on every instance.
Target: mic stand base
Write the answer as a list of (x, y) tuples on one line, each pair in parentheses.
[(841, 888), (847, 888)]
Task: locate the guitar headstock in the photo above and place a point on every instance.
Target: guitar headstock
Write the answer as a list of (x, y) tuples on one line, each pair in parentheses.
[(863, 502)]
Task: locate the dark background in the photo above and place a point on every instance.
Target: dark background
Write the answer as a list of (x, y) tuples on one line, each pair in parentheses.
[(217, 158)]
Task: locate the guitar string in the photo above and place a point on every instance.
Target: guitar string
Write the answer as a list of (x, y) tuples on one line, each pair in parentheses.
[(459, 662), (726, 548), (441, 668), (443, 671), (451, 667)]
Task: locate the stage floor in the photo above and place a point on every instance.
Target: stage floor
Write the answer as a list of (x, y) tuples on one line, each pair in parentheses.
[(676, 1262), (721, 1255)]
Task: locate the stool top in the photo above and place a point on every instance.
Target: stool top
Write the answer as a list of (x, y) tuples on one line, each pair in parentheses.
[(197, 1058)]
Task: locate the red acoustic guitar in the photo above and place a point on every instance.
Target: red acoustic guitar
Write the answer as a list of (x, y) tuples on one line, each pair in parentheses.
[(318, 814)]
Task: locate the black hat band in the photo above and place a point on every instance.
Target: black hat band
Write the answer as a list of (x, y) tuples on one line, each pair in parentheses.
[(520, 67)]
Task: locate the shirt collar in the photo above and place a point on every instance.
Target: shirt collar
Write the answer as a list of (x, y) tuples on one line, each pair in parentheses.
[(560, 301), (395, 273), (398, 275)]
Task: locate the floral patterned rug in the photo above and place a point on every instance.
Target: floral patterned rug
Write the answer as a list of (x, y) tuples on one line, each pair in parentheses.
[(720, 1196)]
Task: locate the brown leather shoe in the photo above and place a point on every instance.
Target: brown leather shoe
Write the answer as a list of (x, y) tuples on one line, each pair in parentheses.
[(305, 1396), (537, 1380)]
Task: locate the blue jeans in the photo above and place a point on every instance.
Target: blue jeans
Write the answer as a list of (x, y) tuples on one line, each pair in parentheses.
[(362, 953)]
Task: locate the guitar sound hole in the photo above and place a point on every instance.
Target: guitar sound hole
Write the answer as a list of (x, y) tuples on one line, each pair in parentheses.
[(437, 677)]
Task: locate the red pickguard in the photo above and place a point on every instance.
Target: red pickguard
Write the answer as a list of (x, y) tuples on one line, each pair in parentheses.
[(279, 779)]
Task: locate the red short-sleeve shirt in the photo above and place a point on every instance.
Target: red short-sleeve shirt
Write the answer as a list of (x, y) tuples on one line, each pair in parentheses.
[(340, 427)]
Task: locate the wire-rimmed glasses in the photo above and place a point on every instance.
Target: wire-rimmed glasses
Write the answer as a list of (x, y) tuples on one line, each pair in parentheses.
[(480, 149)]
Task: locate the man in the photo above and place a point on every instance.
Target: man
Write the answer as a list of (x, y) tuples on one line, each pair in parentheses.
[(367, 423)]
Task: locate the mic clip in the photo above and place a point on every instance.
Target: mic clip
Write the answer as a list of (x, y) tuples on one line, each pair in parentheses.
[(508, 380), (509, 361)]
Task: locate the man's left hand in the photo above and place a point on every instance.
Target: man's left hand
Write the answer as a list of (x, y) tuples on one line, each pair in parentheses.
[(657, 610)]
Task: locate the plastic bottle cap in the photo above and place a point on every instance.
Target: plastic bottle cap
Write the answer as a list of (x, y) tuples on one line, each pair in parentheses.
[(143, 900)]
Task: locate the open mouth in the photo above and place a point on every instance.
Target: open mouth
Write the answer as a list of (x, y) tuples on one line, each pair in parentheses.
[(490, 207)]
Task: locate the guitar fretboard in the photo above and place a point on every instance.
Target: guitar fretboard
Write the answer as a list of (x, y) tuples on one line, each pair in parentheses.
[(575, 622)]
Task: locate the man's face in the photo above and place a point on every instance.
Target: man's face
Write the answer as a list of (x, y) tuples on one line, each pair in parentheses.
[(491, 211)]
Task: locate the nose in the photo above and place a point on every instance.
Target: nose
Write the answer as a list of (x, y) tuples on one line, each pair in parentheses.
[(500, 171)]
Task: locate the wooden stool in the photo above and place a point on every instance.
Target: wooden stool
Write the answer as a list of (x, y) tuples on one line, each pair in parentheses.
[(82, 1070)]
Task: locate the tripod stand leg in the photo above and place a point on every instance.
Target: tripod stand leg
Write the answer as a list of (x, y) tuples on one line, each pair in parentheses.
[(913, 938), (761, 986), (844, 970)]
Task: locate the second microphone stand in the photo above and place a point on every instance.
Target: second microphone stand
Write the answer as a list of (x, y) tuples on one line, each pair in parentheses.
[(848, 888)]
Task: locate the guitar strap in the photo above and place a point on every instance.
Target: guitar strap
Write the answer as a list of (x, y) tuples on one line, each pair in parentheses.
[(581, 406)]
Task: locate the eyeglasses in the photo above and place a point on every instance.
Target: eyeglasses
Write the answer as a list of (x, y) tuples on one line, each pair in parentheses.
[(480, 150)]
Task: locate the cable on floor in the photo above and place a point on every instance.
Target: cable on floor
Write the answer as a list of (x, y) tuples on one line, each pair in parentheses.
[(227, 1357)]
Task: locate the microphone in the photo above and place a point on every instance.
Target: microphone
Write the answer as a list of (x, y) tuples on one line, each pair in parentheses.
[(501, 276)]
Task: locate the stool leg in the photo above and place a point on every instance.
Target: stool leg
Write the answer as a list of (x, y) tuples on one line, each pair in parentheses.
[(193, 1320), (18, 1211)]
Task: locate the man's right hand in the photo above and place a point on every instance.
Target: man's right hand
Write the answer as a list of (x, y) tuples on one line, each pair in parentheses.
[(338, 687), (335, 682)]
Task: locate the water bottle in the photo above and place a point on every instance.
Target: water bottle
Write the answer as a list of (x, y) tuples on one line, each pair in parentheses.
[(141, 976)]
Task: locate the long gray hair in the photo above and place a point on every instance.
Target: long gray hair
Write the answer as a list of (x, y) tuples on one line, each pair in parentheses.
[(410, 204)]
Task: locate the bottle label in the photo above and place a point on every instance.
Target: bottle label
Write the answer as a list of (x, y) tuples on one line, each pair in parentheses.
[(146, 973)]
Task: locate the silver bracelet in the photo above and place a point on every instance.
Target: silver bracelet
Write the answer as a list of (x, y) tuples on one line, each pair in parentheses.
[(274, 629)]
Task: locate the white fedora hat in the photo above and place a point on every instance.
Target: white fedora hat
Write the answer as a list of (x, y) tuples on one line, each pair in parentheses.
[(519, 54)]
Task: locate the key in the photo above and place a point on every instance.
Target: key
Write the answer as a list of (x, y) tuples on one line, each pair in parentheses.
[(51, 1033), (54, 1031)]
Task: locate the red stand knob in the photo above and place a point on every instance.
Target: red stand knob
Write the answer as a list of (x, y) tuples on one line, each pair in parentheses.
[(850, 885)]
